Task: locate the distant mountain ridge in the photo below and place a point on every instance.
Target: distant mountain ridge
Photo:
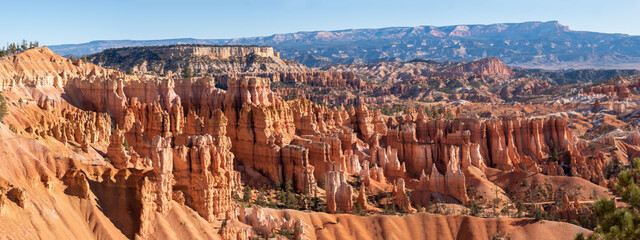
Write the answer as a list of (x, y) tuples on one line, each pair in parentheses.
[(547, 45)]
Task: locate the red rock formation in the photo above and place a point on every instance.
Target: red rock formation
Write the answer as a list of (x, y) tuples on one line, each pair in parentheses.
[(571, 210), (620, 90), (367, 122), (393, 71), (260, 123), (443, 148), (41, 67), (333, 79), (484, 67), (116, 151), (161, 183), (149, 115), (338, 192), (387, 159), (18, 196), (77, 184), (400, 196), (296, 167), (361, 201), (203, 173)]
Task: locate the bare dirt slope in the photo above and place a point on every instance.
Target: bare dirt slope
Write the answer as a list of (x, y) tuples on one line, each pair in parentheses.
[(426, 226)]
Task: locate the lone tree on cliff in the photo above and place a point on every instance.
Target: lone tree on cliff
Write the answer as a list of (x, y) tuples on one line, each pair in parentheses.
[(247, 194), (187, 72)]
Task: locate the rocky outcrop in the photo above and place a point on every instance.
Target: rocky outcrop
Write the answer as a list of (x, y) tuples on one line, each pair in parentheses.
[(302, 141), (443, 149), (338, 192), (572, 210), (39, 67), (156, 146), (77, 184), (296, 168), (65, 123), (387, 159), (400, 196), (201, 59), (361, 201), (160, 182), (18, 196), (116, 152), (621, 91), (371, 173), (262, 224), (394, 71), (260, 124), (265, 224), (329, 79), (363, 122), (203, 172), (484, 67)]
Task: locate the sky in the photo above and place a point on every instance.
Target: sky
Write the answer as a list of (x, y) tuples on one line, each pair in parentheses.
[(53, 22)]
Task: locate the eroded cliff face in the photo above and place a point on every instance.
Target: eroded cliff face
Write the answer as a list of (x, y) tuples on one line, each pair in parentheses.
[(419, 69), (484, 67), (160, 154), (172, 145), (214, 52), (171, 61), (42, 67), (204, 175)]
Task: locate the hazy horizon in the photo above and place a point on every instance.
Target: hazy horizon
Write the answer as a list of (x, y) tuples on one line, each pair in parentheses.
[(331, 30), (51, 23)]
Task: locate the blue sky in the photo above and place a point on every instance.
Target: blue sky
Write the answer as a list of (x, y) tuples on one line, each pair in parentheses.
[(57, 22)]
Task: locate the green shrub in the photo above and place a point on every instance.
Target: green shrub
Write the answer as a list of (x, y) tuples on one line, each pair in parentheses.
[(538, 214), (474, 208), (126, 146)]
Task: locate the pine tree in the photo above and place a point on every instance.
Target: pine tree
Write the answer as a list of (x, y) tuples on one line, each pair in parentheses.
[(12, 48), (620, 223), (247, 194), (24, 46), (187, 72)]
